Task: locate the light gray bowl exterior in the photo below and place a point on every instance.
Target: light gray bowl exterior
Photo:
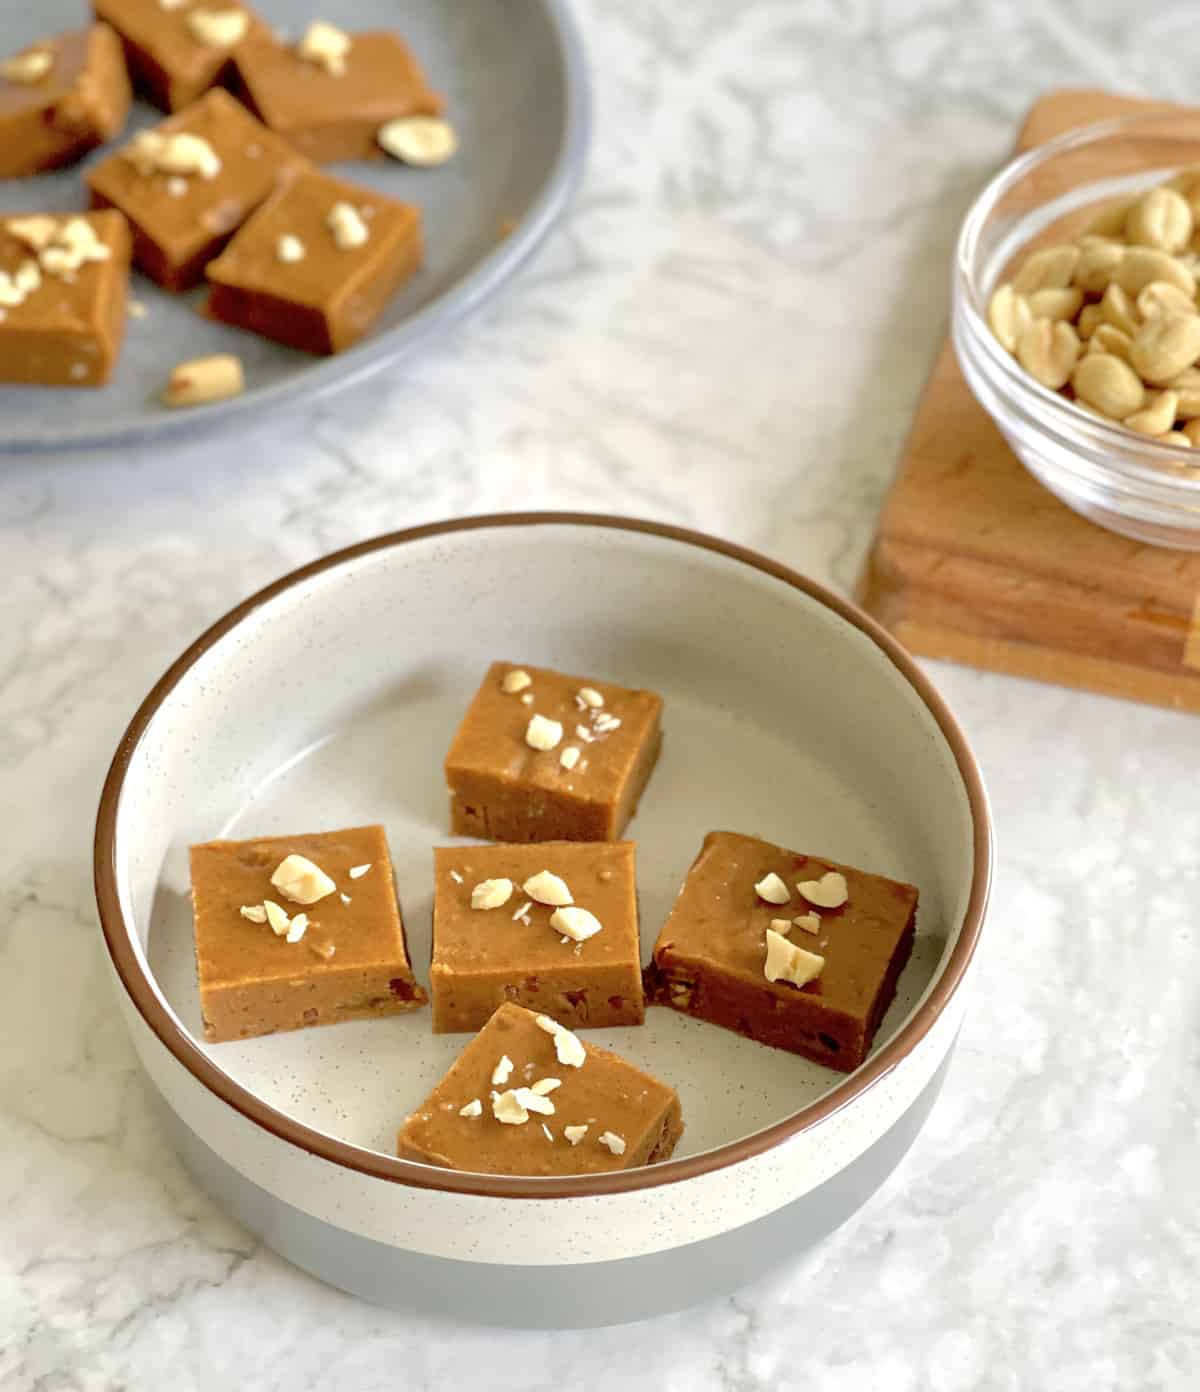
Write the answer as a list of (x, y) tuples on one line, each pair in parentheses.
[(584, 1296), (519, 72)]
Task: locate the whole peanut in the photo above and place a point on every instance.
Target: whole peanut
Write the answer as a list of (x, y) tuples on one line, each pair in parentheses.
[(1048, 269), (1048, 350), (1108, 384), (1165, 345), (1008, 316), (1160, 218), (1156, 417)]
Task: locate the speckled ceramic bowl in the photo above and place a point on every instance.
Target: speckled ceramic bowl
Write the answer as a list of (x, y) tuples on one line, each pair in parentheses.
[(329, 699)]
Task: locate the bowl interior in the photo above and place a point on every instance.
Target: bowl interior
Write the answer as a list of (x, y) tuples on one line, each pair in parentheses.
[(334, 702)]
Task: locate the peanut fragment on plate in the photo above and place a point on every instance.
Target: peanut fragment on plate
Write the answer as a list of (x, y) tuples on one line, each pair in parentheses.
[(201, 381), (422, 141)]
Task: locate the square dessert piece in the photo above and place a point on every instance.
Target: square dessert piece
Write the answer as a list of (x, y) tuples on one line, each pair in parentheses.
[(527, 1097), (298, 930), (834, 939), (541, 756), (178, 49), (64, 285), (317, 264), (503, 930), (330, 99), (190, 183), (61, 98)]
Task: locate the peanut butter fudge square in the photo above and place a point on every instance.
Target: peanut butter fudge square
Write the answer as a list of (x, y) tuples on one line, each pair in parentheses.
[(317, 264), (64, 285), (59, 99), (553, 927), (178, 49), (792, 950), (331, 92), (541, 756), (527, 1097), (187, 185), (298, 930)]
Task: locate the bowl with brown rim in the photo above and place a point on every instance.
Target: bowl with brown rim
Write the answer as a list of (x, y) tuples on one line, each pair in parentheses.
[(329, 698)]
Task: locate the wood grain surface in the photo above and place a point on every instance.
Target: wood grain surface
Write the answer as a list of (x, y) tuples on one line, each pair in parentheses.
[(976, 562)]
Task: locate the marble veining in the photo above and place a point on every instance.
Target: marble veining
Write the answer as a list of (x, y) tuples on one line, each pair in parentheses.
[(730, 333)]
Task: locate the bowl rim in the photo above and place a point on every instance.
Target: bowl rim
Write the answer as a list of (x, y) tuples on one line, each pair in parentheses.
[(119, 934), (1161, 459)]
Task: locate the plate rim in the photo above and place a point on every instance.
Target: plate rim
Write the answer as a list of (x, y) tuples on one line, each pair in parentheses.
[(118, 934), (324, 377)]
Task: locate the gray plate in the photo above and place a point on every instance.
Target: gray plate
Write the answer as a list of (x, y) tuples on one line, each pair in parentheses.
[(513, 75)]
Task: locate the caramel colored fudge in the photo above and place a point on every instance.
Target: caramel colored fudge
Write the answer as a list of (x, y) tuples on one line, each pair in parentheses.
[(64, 285), (527, 1097), (179, 49), (747, 909), (59, 99), (332, 110), (541, 756), (298, 930), (189, 184), (317, 264), (494, 940)]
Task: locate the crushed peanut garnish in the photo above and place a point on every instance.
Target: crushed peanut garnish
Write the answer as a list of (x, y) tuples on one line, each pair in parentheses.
[(547, 888), (567, 1046), (545, 1085), (473, 1108), (327, 46), (356, 872), (575, 923), (772, 889), (569, 757), (491, 894), (614, 1142), (254, 912), (543, 734), (829, 892), (502, 1071), (810, 923), (297, 878), (575, 1134), (516, 680), (590, 697), (787, 962)]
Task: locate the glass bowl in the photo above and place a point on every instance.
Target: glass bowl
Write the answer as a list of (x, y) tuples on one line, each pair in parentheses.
[(1129, 483)]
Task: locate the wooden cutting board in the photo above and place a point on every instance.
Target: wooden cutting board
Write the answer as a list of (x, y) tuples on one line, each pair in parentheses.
[(976, 562)]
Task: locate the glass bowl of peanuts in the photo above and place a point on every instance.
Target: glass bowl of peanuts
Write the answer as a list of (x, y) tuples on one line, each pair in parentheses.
[(1076, 325)]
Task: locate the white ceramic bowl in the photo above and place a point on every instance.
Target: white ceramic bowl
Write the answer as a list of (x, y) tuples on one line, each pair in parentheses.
[(330, 698)]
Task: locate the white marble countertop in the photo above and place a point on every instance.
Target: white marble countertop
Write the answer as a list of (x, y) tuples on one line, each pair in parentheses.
[(731, 333)]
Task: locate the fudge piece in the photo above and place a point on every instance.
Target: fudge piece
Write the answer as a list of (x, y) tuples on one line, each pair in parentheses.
[(835, 938), (541, 756), (178, 49), (553, 927), (61, 98), (190, 183), (332, 92), (526, 1097), (317, 264), (298, 930), (64, 283)]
